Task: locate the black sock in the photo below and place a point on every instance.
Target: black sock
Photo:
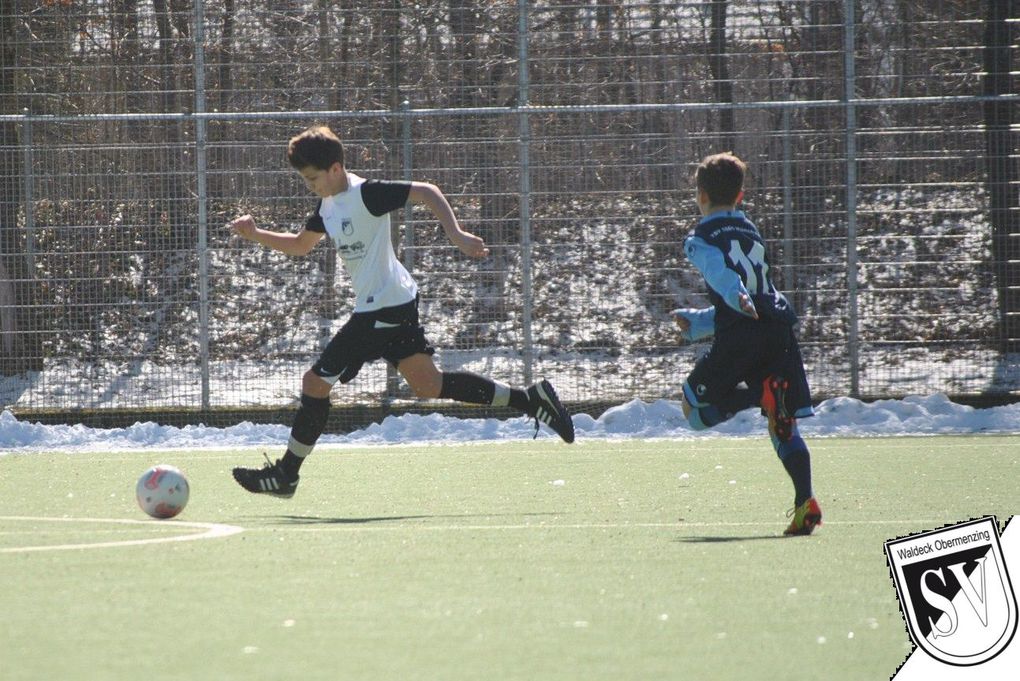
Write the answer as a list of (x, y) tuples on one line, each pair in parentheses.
[(309, 422), (465, 387), (473, 389), (519, 401), (798, 466), (291, 463)]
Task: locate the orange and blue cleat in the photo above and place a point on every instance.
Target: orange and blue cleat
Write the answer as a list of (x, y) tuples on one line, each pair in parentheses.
[(806, 518)]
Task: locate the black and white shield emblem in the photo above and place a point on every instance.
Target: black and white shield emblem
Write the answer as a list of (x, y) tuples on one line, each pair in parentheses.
[(955, 592), (347, 226)]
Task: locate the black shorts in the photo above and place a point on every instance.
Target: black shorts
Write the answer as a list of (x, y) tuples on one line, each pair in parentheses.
[(748, 352), (391, 333)]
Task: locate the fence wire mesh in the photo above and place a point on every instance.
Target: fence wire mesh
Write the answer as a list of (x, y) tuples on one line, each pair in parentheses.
[(881, 136)]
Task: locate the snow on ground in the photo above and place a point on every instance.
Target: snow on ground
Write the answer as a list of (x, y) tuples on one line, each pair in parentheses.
[(844, 416)]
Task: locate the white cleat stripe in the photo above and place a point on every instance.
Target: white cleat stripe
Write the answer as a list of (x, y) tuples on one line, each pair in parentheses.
[(269, 484)]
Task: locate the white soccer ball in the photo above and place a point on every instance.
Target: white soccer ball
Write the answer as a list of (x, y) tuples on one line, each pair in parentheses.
[(162, 491)]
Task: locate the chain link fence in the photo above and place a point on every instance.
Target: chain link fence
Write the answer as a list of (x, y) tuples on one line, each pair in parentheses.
[(881, 136)]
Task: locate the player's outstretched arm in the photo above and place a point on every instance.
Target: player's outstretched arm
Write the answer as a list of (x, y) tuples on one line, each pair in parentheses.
[(432, 198), (301, 243)]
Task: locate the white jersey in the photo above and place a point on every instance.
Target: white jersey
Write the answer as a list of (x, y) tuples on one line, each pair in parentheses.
[(358, 222)]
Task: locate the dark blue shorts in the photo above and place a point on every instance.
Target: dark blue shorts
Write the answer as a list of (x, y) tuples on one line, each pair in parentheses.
[(748, 352), (392, 333)]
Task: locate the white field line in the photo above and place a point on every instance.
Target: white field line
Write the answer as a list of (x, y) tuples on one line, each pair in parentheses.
[(212, 531), (218, 530)]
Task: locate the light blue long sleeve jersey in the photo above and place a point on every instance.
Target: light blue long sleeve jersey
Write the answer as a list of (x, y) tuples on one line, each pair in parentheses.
[(711, 262), (729, 252)]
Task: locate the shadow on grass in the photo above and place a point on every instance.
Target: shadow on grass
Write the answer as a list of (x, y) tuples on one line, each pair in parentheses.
[(318, 520), (724, 540)]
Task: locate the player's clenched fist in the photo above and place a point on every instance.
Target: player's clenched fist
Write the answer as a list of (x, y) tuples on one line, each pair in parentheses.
[(243, 226), (470, 244)]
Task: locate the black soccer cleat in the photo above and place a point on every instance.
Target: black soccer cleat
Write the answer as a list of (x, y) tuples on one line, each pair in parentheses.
[(546, 407), (270, 479)]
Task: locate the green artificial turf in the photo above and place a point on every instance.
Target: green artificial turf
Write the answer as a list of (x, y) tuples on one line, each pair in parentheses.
[(527, 560)]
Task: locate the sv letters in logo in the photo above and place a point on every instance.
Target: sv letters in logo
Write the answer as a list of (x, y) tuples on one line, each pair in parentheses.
[(955, 592)]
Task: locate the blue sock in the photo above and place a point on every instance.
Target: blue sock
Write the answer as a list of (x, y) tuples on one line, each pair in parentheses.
[(797, 462)]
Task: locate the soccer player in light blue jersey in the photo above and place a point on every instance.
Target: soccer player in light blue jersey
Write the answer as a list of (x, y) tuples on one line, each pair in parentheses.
[(754, 358)]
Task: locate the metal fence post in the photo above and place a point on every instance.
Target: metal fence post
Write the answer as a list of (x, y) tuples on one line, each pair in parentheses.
[(392, 377), (408, 163), (201, 181), (524, 142), (789, 273), (849, 95), (28, 190)]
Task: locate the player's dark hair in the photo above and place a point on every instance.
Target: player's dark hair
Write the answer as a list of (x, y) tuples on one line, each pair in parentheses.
[(721, 176), (317, 147)]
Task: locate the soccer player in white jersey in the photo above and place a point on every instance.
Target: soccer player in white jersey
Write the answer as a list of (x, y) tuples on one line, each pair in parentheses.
[(354, 213)]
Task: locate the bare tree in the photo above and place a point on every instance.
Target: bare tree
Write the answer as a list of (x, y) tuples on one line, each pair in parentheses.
[(1002, 175), (479, 79), (20, 337), (719, 64)]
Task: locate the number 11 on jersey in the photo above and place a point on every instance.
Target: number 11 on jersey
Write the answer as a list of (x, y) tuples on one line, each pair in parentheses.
[(756, 270)]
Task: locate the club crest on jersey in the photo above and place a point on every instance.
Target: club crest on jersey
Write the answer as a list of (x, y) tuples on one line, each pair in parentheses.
[(955, 591), (347, 226)]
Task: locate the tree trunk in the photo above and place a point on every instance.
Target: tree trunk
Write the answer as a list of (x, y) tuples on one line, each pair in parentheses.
[(173, 231), (1002, 175), (226, 75), (20, 336), (721, 83), (499, 208)]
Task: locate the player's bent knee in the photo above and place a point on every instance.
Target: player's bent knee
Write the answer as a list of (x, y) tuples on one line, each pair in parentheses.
[(312, 384), (422, 376), (694, 418), (691, 413), (685, 406), (426, 388), (703, 418)]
